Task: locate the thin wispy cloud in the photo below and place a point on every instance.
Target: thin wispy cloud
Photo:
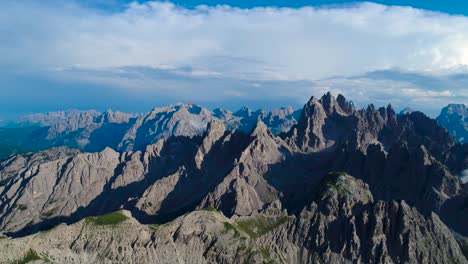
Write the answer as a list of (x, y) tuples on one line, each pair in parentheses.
[(217, 53)]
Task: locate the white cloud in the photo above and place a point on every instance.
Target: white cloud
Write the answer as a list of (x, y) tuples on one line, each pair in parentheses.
[(415, 92), (271, 43), (217, 52)]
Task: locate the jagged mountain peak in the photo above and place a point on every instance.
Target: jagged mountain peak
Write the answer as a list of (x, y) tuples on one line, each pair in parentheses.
[(331, 105), (345, 105), (312, 101), (260, 130), (244, 111), (457, 108), (325, 125)]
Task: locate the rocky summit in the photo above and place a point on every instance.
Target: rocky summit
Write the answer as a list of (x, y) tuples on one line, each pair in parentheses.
[(331, 184)]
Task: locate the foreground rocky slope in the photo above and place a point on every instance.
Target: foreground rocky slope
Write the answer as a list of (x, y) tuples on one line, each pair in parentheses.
[(343, 224), (409, 163)]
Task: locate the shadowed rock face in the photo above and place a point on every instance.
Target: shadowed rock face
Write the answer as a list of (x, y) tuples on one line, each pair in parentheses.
[(389, 211), (454, 118)]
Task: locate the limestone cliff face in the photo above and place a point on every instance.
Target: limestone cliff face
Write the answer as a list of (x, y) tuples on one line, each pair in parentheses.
[(405, 180)]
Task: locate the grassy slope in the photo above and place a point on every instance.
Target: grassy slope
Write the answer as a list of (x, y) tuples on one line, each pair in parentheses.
[(107, 219)]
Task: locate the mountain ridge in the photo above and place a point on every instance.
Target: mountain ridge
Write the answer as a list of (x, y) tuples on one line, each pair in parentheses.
[(402, 167), (93, 131)]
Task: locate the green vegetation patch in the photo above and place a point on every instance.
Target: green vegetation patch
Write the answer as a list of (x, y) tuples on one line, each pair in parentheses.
[(107, 219), (266, 255), (228, 227), (260, 225), (29, 257), (337, 181), (463, 243), (210, 209)]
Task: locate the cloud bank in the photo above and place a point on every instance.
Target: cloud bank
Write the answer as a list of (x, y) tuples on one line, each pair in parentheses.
[(397, 55)]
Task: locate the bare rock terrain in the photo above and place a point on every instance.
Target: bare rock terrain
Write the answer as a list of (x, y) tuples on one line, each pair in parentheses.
[(225, 196)]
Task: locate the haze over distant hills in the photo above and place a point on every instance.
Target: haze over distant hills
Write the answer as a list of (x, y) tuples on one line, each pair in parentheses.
[(333, 184)]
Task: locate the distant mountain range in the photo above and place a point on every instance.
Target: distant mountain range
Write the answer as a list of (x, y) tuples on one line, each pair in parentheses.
[(331, 184), (94, 131)]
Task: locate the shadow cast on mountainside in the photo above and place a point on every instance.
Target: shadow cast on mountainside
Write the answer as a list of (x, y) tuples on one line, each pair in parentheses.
[(143, 137), (190, 190), (297, 177), (108, 135), (455, 212), (196, 184), (124, 197)]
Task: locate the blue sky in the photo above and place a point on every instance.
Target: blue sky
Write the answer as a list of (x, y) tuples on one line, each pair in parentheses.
[(134, 56), (451, 7)]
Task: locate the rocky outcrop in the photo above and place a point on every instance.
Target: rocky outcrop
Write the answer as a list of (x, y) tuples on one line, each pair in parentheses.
[(343, 225), (345, 219)]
